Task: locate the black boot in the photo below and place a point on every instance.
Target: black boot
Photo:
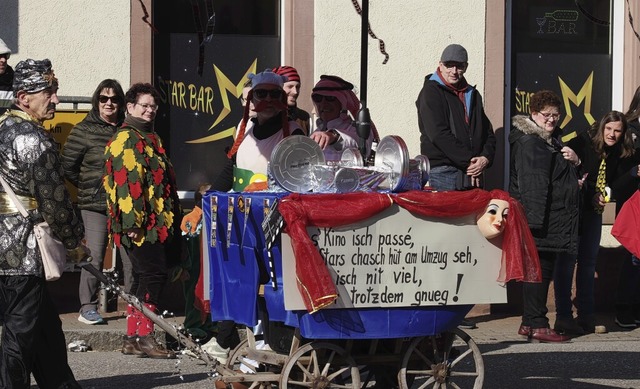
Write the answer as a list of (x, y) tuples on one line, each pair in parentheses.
[(625, 317)]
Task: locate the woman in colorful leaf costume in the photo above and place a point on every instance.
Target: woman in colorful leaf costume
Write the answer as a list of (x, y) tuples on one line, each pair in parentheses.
[(142, 206)]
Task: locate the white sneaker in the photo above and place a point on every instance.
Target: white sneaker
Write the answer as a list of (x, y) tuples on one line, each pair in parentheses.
[(216, 351), (246, 362)]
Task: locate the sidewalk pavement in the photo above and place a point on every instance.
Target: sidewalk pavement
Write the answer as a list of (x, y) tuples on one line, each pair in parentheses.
[(106, 337), (491, 329)]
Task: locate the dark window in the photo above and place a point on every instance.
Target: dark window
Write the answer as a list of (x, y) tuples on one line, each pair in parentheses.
[(562, 26), (226, 17)]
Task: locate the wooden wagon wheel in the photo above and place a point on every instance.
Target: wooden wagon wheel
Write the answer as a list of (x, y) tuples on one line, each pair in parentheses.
[(320, 365), (238, 358), (239, 361), (449, 360)]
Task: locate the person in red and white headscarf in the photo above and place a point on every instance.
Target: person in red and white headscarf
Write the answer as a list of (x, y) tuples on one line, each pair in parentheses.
[(336, 106), (292, 89)]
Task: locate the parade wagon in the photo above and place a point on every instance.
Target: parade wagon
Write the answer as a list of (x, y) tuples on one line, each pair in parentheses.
[(361, 289)]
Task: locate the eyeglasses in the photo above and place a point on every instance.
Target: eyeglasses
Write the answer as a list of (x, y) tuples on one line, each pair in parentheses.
[(451, 64), (262, 93), (550, 115), (114, 99), (318, 98), (152, 107)]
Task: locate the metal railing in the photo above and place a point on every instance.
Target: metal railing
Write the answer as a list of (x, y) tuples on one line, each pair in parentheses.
[(75, 101)]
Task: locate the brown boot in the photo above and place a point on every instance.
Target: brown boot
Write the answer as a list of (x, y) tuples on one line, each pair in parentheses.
[(153, 350), (131, 347)]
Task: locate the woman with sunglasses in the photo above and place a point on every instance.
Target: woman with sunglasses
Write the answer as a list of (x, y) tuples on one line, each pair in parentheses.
[(83, 163), (334, 100), (544, 178), (257, 135)]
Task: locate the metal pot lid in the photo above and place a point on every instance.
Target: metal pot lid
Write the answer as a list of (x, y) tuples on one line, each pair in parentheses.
[(291, 162), (351, 157), (425, 166), (346, 180), (392, 154)]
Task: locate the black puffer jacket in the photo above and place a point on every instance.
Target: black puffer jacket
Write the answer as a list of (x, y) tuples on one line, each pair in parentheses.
[(83, 160), (547, 186)]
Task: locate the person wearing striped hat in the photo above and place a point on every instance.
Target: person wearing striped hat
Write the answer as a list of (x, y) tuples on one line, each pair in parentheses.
[(292, 89)]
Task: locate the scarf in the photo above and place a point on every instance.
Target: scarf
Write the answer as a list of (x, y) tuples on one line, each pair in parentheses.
[(459, 91), (141, 125)]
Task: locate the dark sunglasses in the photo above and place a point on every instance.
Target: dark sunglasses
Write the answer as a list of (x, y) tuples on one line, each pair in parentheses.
[(262, 93), (114, 99), (451, 64), (318, 98)]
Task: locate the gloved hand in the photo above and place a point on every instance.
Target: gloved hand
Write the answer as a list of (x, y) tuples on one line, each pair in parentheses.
[(191, 220)]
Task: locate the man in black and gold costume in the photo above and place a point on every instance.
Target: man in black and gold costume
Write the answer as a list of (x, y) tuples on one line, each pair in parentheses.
[(32, 337)]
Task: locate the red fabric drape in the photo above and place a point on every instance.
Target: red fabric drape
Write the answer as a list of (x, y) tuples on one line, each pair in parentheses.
[(519, 255), (520, 260), (626, 228), (322, 210)]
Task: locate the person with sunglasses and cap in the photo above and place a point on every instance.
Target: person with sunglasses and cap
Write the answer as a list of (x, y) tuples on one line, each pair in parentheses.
[(83, 163), (257, 135), (455, 133), (246, 169), (336, 106), (32, 338), (6, 75)]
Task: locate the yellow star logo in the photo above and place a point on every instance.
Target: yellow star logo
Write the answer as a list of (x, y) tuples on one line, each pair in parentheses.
[(225, 86), (585, 94)]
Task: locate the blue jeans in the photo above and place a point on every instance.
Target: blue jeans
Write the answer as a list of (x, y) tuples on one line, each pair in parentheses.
[(588, 247), (443, 178)]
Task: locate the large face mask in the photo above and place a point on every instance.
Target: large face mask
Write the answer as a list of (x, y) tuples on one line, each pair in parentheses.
[(492, 222)]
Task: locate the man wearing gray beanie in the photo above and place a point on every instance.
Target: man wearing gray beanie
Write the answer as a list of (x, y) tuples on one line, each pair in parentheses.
[(32, 337), (455, 133)]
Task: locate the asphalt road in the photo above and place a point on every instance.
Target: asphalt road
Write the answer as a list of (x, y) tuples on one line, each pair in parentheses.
[(588, 365)]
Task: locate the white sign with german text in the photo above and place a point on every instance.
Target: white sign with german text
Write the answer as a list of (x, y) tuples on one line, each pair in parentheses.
[(397, 259)]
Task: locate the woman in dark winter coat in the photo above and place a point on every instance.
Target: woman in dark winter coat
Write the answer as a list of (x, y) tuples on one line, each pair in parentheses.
[(83, 162), (543, 178), (606, 153)]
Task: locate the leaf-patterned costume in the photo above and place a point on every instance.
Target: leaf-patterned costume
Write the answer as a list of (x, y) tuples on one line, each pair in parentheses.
[(140, 186)]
